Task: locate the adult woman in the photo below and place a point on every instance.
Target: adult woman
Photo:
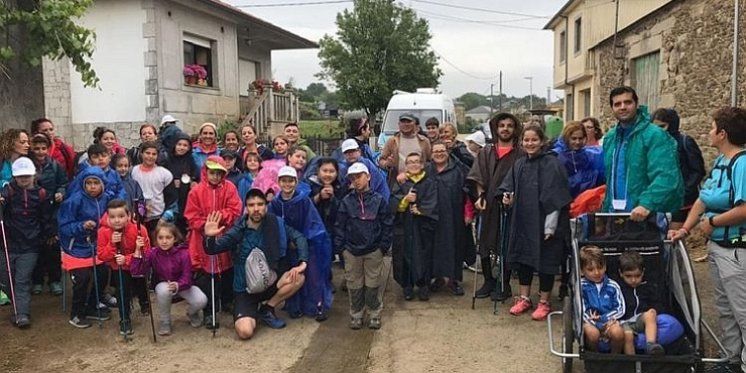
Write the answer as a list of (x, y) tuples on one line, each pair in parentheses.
[(456, 147), (248, 136), (14, 143), (358, 128), (107, 138), (584, 165), (61, 152), (230, 140), (207, 144), (592, 130), (148, 133), (721, 215)]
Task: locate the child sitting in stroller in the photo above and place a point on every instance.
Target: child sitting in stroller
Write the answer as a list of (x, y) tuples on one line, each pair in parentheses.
[(603, 302), (640, 301)]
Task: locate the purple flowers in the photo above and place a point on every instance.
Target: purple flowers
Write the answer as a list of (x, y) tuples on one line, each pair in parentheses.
[(196, 71)]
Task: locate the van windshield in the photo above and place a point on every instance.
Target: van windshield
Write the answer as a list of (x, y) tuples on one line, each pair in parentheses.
[(391, 120)]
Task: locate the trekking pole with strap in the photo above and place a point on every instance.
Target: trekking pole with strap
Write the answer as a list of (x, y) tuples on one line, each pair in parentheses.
[(95, 281), (7, 262), (139, 213), (64, 274), (498, 260), (123, 319), (476, 261), (212, 292)]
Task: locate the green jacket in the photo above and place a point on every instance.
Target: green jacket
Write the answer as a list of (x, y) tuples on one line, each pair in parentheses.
[(652, 167)]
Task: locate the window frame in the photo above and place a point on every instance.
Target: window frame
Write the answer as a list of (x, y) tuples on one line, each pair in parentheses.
[(578, 37), (563, 46), (197, 44)]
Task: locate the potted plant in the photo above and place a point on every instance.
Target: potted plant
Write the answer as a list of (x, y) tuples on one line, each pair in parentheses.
[(195, 75)]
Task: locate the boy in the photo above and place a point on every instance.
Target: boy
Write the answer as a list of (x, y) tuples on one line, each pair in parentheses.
[(26, 218), (118, 239), (51, 177), (352, 154), (640, 300), (99, 156), (416, 202), (603, 302), (363, 233), (432, 127), (234, 171), (78, 220)]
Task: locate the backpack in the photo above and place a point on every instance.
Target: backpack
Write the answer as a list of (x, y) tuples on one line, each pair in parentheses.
[(259, 275), (741, 241)]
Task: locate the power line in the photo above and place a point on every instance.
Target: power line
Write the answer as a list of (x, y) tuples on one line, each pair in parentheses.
[(293, 4), (461, 70), (479, 9), (459, 19)]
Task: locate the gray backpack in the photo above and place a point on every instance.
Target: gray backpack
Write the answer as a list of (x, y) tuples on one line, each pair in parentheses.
[(259, 276)]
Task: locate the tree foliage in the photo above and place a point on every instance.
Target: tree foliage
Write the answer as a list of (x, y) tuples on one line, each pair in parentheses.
[(32, 29), (379, 47)]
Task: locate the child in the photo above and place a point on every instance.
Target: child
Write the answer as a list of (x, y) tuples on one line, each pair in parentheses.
[(603, 302), (234, 170), (252, 165), (535, 189), (230, 141), (640, 301), (53, 178), (352, 153), (173, 276), (363, 233), (131, 186), (416, 203), (26, 215), (297, 159), (78, 219), (180, 162), (327, 191), (212, 194), (118, 239), (294, 206), (280, 146), (99, 155), (153, 179)]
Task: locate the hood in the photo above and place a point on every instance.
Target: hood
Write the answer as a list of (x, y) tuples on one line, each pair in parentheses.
[(497, 118), (92, 171), (203, 171), (175, 139), (673, 120)]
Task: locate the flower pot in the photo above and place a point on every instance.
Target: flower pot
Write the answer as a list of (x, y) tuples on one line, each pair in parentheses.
[(191, 80)]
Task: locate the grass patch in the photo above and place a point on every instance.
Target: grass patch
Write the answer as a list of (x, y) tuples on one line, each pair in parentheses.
[(322, 128)]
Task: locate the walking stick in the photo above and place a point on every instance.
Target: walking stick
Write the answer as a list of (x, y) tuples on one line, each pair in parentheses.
[(212, 292), (95, 281), (498, 265), (7, 263), (123, 319), (64, 274), (476, 261), (139, 212)]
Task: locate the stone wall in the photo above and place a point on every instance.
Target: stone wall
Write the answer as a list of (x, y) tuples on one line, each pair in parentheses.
[(695, 40), (57, 95)]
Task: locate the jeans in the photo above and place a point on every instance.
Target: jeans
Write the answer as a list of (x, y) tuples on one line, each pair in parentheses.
[(193, 296), (21, 270), (363, 276)]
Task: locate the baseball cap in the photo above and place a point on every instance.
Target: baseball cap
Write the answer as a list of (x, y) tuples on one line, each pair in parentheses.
[(409, 116), (167, 119), (23, 167), (478, 137), (349, 144), (357, 168), (287, 171), (215, 164), (227, 153)]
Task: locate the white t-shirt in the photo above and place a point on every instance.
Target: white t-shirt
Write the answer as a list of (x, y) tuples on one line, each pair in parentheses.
[(153, 182)]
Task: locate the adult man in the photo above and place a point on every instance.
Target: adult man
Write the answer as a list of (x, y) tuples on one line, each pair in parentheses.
[(267, 232), (404, 142), (292, 132), (642, 166), (490, 167)]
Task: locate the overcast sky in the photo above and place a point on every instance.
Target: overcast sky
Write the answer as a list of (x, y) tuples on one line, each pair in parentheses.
[(473, 44)]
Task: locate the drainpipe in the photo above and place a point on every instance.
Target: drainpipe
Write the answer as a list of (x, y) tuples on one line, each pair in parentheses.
[(567, 64), (734, 73)]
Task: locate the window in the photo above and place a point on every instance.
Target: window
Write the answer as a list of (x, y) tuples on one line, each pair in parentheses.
[(198, 51), (247, 72), (563, 46), (578, 35), (569, 107), (646, 79), (586, 94)]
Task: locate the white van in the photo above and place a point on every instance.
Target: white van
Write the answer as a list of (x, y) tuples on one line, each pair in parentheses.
[(426, 103)]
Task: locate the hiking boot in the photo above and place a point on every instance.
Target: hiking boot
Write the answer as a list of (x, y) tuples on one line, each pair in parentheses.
[(109, 300), (438, 284), (164, 328), (562, 292), (268, 317), (408, 293), (22, 321), (55, 288), (455, 288), (356, 323), (125, 328), (655, 349), (208, 323), (37, 289), (374, 323), (423, 293), (520, 306), (487, 288), (4, 300), (498, 296), (194, 320), (542, 310), (80, 323)]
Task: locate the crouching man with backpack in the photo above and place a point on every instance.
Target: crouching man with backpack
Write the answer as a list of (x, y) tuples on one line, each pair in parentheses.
[(263, 276)]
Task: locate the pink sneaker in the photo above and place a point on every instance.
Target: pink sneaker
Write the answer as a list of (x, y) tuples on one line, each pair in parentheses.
[(520, 306), (542, 310)]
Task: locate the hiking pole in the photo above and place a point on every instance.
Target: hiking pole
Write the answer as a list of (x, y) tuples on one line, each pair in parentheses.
[(498, 264), (7, 264), (139, 212), (212, 291), (64, 274), (95, 281), (476, 261), (122, 312)]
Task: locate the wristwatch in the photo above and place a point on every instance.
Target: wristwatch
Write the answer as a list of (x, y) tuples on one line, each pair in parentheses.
[(711, 220)]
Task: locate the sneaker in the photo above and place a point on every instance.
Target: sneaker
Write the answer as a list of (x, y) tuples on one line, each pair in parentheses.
[(194, 320), (56, 288), (408, 293), (208, 323), (356, 323), (542, 310), (321, 316), (103, 314), (520, 306), (22, 321), (423, 293), (438, 284), (374, 323), (104, 309), (267, 316), (455, 288), (295, 314), (164, 328), (109, 300), (125, 328), (80, 323), (654, 349), (37, 289), (4, 300)]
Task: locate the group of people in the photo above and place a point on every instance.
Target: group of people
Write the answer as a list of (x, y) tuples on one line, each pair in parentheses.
[(228, 224)]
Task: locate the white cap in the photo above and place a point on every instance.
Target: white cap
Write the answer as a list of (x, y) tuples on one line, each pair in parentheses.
[(167, 118), (349, 144), (23, 167), (287, 171), (478, 138), (357, 168)]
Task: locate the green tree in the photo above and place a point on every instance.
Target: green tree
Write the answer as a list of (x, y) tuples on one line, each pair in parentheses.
[(33, 29), (472, 100), (379, 47)]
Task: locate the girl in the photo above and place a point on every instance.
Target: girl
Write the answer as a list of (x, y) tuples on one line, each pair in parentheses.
[(206, 144), (230, 140), (584, 164), (180, 162), (280, 144), (252, 165), (326, 191), (14, 143), (153, 179), (248, 136), (131, 186), (173, 276), (147, 133), (536, 191)]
